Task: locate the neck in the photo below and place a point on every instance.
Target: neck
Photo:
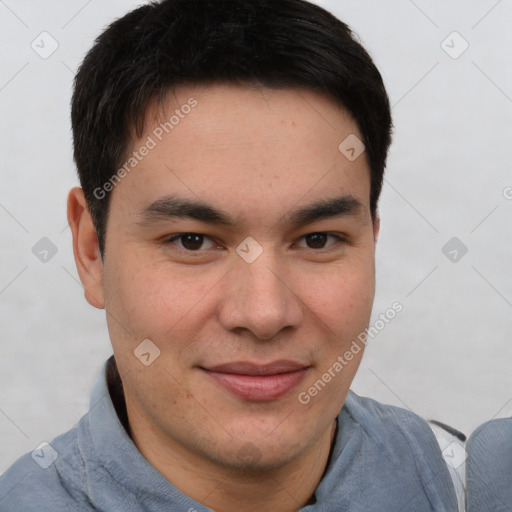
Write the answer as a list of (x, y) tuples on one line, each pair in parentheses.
[(223, 489)]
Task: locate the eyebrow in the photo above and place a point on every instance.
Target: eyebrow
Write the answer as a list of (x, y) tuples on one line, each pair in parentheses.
[(170, 207), (325, 209)]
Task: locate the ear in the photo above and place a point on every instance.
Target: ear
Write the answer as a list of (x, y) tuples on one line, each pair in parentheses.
[(376, 228), (86, 248)]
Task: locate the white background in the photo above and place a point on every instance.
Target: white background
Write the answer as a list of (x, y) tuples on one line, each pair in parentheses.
[(446, 356)]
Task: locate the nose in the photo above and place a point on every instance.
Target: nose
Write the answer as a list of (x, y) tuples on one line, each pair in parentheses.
[(258, 297)]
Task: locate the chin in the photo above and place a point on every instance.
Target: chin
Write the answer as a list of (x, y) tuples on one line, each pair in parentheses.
[(259, 455)]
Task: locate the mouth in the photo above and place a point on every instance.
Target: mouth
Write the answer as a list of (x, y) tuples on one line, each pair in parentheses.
[(253, 382)]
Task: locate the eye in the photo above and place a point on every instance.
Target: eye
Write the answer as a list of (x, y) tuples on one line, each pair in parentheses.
[(192, 241), (318, 241)]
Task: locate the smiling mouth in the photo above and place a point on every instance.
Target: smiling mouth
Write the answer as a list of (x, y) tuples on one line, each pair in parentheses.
[(252, 382)]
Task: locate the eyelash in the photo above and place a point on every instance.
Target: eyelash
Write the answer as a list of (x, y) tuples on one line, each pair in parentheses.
[(175, 238)]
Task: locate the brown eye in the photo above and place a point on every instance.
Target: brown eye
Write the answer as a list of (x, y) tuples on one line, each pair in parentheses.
[(317, 240), (192, 242)]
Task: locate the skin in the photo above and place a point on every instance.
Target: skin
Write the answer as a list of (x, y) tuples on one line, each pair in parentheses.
[(257, 154)]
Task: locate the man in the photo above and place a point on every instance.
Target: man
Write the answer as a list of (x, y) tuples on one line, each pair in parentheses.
[(231, 156)]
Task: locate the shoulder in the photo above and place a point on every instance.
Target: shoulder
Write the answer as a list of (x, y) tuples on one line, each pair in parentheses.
[(398, 434), (489, 451), (489, 466), (434, 450), (48, 478), (381, 420), (490, 437), (400, 447)]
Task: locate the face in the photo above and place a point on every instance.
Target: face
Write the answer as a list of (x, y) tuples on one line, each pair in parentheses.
[(242, 246)]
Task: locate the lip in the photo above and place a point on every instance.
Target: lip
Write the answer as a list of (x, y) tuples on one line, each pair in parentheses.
[(259, 383)]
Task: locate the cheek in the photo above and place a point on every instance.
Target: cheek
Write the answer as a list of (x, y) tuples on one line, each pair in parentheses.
[(155, 300), (340, 305), (341, 296)]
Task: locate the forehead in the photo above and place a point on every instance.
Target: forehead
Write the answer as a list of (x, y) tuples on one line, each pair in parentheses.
[(242, 146)]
